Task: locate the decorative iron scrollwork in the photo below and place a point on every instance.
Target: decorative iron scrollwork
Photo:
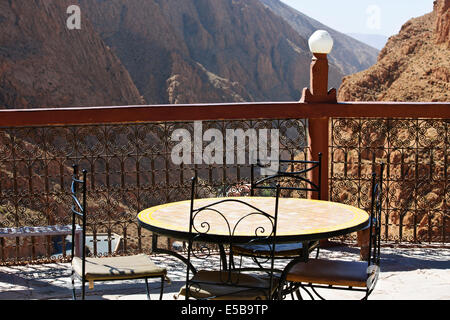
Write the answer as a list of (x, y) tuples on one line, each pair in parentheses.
[(130, 169)]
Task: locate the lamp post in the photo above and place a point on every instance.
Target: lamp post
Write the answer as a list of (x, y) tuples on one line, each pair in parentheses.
[(320, 44)]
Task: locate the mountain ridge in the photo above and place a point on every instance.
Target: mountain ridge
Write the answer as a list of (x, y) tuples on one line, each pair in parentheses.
[(413, 66), (349, 54), (377, 41), (43, 64), (154, 52), (257, 53)]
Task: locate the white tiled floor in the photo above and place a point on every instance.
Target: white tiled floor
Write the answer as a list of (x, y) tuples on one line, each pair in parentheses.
[(407, 273)]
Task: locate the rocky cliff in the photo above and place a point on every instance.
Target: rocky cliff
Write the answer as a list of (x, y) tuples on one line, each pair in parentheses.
[(413, 66), (349, 54), (442, 22), (44, 64), (200, 51), (205, 50)]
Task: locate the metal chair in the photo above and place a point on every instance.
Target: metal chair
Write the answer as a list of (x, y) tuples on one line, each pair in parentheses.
[(290, 181), (336, 274), (89, 269), (228, 281)]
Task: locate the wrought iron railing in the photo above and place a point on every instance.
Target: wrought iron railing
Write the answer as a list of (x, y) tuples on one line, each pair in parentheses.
[(129, 169), (126, 151), (417, 185)]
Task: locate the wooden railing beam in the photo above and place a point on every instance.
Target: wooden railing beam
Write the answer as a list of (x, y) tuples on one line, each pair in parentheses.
[(224, 111)]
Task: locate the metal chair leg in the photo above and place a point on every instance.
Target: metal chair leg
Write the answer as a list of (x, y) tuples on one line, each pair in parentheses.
[(317, 294), (74, 296), (83, 289), (298, 294), (162, 288), (148, 290), (307, 291)]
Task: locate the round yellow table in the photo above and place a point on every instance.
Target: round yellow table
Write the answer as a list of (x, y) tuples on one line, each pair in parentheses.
[(298, 219)]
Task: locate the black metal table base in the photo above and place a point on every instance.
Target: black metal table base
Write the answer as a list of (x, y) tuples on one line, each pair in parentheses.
[(156, 249)]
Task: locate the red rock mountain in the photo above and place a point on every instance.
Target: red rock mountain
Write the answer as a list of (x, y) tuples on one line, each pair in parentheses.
[(205, 50), (348, 54), (443, 22), (154, 51), (44, 64), (413, 66)]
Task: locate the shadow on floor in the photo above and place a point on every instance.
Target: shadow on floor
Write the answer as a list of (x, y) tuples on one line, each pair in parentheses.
[(398, 259), (56, 284)]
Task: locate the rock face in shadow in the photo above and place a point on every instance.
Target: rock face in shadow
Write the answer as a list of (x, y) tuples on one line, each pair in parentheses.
[(349, 54), (156, 54), (442, 9), (413, 66), (205, 50), (135, 52), (44, 64)]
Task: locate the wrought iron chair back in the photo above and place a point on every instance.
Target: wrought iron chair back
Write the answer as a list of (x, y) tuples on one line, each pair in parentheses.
[(337, 274), (295, 180), (230, 274), (78, 190), (109, 268), (289, 180), (375, 225)]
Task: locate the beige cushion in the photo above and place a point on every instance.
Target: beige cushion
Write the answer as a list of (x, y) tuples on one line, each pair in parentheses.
[(331, 272), (281, 250), (212, 288), (112, 268)]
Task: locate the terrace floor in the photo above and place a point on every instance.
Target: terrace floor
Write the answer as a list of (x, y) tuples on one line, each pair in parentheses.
[(407, 273)]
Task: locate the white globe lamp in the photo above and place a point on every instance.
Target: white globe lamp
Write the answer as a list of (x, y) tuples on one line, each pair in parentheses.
[(321, 42)]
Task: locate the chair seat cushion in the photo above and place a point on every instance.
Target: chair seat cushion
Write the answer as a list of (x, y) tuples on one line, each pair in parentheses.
[(281, 250), (331, 272), (211, 285), (113, 268)]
